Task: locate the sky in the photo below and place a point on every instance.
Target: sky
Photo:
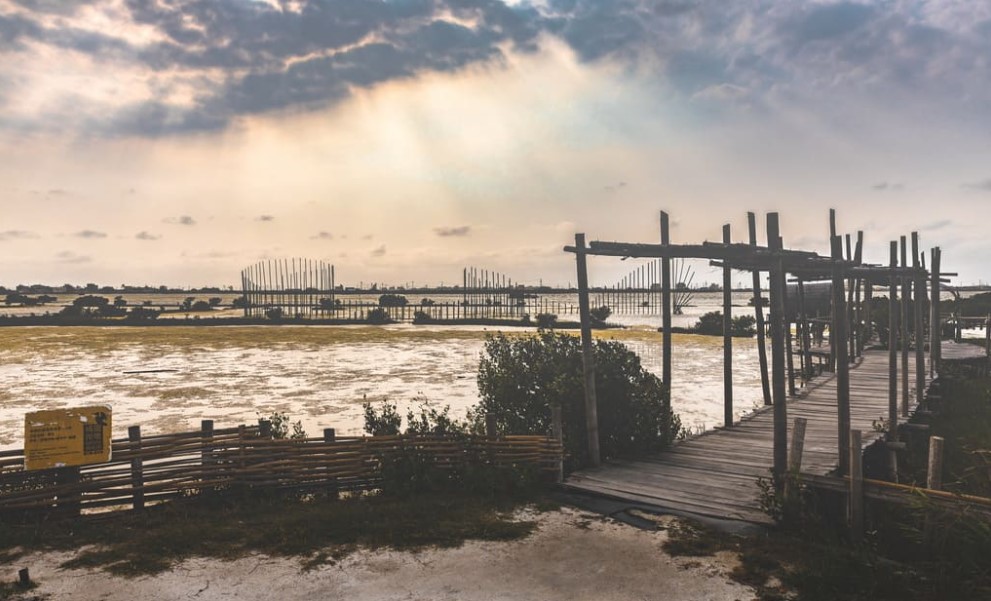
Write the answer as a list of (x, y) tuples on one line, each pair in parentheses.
[(177, 141)]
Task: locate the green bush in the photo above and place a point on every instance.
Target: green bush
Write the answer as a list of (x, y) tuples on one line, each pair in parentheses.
[(393, 300), (711, 324), (521, 378), (378, 316), (599, 315), (546, 321)]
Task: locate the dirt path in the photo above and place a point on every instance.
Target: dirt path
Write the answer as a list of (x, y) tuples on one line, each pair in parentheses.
[(573, 556)]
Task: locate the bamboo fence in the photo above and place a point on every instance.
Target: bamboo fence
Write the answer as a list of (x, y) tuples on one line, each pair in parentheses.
[(157, 468)]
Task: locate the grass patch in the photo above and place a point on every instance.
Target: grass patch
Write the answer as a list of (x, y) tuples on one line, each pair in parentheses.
[(317, 531)]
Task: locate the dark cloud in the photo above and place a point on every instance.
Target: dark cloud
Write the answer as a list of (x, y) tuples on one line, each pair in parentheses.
[(181, 220), (16, 235), (455, 231), (322, 236), (981, 185), (90, 234), (378, 252), (146, 236), (265, 218), (246, 57)]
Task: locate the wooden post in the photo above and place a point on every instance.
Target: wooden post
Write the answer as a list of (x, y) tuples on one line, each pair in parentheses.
[(206, 453), (264, 428), (935, 327), (69, 503), (920, 298), (795, 456), (839, 340), (858, 324), (777, 289), (24, 577), (906, 295), (557, 431), (856, 487), (806, 342), (893, 322), (851, 330), (934, 475), (759, 315), (832, 306), (137, 468), (490, 425), (666, 307), (789, 359), (727, 337), (330, 437), (588, 358)]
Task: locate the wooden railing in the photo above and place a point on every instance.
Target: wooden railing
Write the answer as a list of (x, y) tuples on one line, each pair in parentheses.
[(155, 468)]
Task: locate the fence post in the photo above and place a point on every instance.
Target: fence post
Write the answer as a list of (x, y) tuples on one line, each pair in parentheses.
[(137, 468), (206, 452), (329, 437), (557, 431), (856, 506), (264, 428), (934, 475), (490, 425), (70, 503)]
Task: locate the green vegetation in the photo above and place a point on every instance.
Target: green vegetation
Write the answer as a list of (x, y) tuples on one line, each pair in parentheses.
[(393, 300), (521, 378), (599, 315), (711, 324)]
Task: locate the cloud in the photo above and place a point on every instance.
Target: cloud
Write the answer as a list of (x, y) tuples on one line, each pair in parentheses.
[(378, 252), (91, 234), (16, 235), (67, 256), (984, 185), (146, 236), (455, 231), (614, 187), (936, 225), (894, 186), (199, 66), (322, 236), (181, 220), (265, 218)]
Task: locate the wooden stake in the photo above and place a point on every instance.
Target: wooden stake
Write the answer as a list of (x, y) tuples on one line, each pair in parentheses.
[(557, 431), (935, 327), (588, 358), (137, 468), (934, 475)]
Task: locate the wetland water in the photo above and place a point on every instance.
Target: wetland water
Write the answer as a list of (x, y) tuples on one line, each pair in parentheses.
[(320, 375)]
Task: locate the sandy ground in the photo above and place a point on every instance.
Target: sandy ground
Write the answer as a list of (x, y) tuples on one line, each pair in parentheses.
[(573, 556)]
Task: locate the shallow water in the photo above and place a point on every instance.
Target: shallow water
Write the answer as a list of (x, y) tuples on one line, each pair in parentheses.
[(320, 375)]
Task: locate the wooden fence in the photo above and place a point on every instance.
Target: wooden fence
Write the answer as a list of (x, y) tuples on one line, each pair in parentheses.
[(155, 468)]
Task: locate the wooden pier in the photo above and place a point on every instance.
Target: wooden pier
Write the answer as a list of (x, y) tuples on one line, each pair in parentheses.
[(715, 474)]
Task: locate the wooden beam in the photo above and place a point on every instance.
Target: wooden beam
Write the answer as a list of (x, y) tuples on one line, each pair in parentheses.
[(588, 358), (856, 507)]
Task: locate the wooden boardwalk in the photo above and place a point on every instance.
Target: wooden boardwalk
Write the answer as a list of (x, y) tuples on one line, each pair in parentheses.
[(715, 474)]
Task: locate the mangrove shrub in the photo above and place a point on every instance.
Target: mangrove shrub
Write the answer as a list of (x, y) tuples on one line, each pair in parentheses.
[(521, 377)]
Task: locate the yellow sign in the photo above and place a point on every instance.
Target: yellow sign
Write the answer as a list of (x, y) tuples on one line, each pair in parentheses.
[(65, 437)]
